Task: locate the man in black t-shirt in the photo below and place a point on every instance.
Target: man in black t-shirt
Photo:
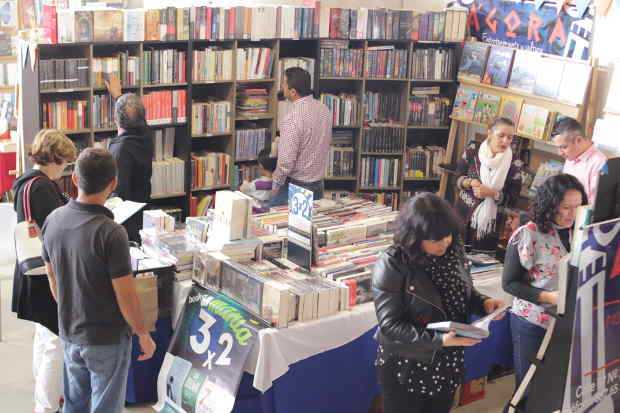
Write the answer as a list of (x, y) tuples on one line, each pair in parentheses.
[(89, 269)]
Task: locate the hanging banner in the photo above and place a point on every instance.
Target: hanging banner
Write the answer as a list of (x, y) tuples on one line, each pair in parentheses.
[(300, 202), (524, 26), (204, 364), (593, 380)]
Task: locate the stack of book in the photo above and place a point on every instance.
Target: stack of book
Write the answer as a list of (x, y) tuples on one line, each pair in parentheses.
[(483, 266), (384, 198), (210, 170), (429, 111), (344, 108), (165, 66), (340, 162), (254, 63), (382, 107), (249, 142), (433, 64), (65, 114), (168, 177), (386, 62), (163, 143), (423, 162), (338, 60), (212, 64), (8, 73), (165, 106), (212, 117), (103, 111), (306, 63), (252, 102), (126, 68), (383, 140), (380, 172), (63, 74)]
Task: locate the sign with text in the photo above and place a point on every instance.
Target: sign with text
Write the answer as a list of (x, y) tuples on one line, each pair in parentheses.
[(204, 364), (300, 202)]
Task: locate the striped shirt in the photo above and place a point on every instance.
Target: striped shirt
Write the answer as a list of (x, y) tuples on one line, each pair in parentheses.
[(305, 136)]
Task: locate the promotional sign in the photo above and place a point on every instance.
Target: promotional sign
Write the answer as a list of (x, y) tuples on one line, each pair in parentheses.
[(300, 202), (524, 26), (593, 380), (204, 364)]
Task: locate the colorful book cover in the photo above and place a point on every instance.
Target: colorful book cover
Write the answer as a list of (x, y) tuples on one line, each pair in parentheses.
[(487, 107), (523, 77), (574, 83), (151, 25), (548, 77), (465, 103), (533, 121), (510, 108), (474, 60), (83, 26), (108, 25), (498, 66)]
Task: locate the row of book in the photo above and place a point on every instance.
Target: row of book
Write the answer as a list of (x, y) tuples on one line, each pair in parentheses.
[(210, 170), (245, 172), (164, 66), (212, 64), (63, 74), (103, 111), (165, 106), (429, 111), (340, 162), (125, 67), (422, 162), (338, 60), (249, 142), (344, 108), (211, 117), (254, 63), (384, 198), (379, 172), (168, 177), (382, 107), (65, 114), (163, 143), (252, 101), (383, 140), (8, 74), (525, 72), (386, 62), (433, 64)]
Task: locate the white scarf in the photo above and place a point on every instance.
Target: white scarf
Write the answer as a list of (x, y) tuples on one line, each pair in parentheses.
[(493, 173)]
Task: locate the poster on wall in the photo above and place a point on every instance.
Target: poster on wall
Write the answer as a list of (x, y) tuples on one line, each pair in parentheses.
[(593, 380), (202, 369), (522, 25)]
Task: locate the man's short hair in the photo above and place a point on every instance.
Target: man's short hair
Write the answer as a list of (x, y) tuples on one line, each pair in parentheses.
[(298, 79), (129, 112), (95, 169), (266, 161), (568, 127)]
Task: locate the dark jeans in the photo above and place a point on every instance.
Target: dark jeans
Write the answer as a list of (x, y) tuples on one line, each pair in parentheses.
[(526, 340), (281, 197)]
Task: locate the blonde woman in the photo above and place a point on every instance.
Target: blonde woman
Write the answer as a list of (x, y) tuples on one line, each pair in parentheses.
[(32, 299)]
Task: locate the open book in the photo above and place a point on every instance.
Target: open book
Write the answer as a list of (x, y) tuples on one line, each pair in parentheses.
[(478, 330), (123, 210)]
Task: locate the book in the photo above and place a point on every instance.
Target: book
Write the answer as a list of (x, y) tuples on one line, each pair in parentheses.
[(84, 26), (103, 111), (151, 23), (463, 330), (108, 25), (474, 60), (340, 162), (524, 69), (48, 24), (134, 25), (164, 66), (575, 81), (380, 172), (382, 107), (430, 111), (252, 102), (125, 67), (249, 143), (123, 209), (465, 103), (487, 107), (386, 62), (254, 63), (383, 140), (210, 170), (66, 25), (344, 108), (510, 108), (65, 114), (338, 59), (498, 66), (433, 64), (422, 162), (63, 73), (548, 77), (533, 121), (545, 170), (211, 117), (212, 64), (165, 106), (168, 177)]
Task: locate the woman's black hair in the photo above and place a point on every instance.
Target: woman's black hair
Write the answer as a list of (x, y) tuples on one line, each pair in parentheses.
[(549, 196), (424, 217)]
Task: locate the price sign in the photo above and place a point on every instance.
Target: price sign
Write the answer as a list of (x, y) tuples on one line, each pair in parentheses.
[(300, 201), (204, 364)]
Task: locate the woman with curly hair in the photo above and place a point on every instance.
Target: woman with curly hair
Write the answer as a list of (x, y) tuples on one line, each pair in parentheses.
[(422, 279), (531, 263)]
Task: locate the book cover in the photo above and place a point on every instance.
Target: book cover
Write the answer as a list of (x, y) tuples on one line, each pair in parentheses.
[(548, 77), (474, 59), (498, 66), (523, 76), (510, 108), (108, 25), (49, 25), (66, 25), (575, 80), (487, 107), (83, 26), (134, 25), (532, 121), (465, 104), (151, 25)]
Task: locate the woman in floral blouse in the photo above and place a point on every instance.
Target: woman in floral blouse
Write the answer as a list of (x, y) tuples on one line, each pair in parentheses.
[(531, 264)]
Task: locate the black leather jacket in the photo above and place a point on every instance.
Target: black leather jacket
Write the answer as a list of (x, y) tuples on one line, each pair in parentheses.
[(406, 300)]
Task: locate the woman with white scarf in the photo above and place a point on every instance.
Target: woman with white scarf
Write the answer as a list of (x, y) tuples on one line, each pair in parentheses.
[(489, 178)]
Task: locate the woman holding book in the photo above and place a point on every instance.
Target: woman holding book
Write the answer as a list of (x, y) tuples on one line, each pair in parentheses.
[(32, 298), (422, 278), (488, 178), (531, 264)]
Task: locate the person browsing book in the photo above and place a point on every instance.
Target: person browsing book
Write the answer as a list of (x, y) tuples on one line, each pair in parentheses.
[(88, 266), (489, 177), (421, 279), (260, 188), (132, 149), (583, 160), (32, 298), (531, 264), (305, 136)]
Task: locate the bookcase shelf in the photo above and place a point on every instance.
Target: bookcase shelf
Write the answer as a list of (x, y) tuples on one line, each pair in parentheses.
[(212, 82), (211, 188), (381, 153), (433, 179), (69, 90), (163, 85), (433, 80), (255, 117), (212, 135), (341, 78), (167, 196), (420, 127), (75, 131), (340, 178), (250, 81), (375, 188)]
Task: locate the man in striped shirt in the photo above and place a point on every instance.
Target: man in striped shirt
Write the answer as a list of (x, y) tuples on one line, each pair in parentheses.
[(305, 136)]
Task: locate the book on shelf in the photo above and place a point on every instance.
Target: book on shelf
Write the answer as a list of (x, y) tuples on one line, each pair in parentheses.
[(163, 143), (498, 66), (465, 103), (252, 101), (487, 107), (254, 63), (383, 140), (164, 66), (63, 74), (65, 114), (103, 111), (306, 63), (474, 60), (342, 138), (212, 64), (165, 106), (510, 108), (66, 27), (84, 26), (524, 69), (249, 142), (433, 64), (200, 204), (108, 25), (386, 62), (125, 67), (390, 199), (340, 162), (335, 195), (535, 121), (338, 60), (429, 110), (548, 77), (245, 173), (168, 177), (211, 117), (379, 172), (382, 107), (210, 169), (166, 24), (423, 162), (545, 170), (296, 22), (344, 108), (134, 25)]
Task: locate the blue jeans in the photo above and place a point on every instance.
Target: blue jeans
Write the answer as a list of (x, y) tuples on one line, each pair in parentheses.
[(526, 340), (281, 198), (96, 377)]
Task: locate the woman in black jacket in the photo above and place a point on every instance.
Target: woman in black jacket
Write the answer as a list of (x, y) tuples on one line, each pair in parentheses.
[(32, 298), (422, 279)]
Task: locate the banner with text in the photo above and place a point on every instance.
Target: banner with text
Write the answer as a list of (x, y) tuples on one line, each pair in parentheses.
[(300, 203), (204, 364)]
